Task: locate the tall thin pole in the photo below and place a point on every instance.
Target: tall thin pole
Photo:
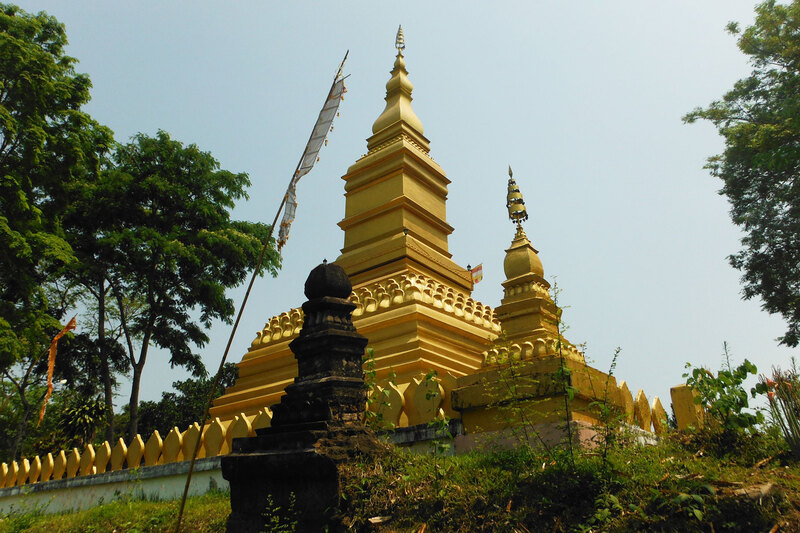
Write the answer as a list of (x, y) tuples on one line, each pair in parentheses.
[(239, 315)]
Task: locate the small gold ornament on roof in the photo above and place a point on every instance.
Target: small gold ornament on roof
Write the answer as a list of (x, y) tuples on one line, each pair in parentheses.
[(514, 201), (400, 42)]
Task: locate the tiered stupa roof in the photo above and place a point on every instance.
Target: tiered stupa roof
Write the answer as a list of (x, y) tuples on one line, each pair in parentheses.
[(413, 301)]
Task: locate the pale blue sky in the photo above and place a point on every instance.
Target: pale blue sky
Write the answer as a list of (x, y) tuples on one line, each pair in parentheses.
[(583, 99)]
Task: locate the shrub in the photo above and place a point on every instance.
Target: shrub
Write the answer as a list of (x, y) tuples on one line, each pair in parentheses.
[(724, 398)]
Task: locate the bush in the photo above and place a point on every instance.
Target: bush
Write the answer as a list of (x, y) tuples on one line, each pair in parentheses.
[(723, 397)]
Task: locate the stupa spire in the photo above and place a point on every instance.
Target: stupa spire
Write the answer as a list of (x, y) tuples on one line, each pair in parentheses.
[(399, 41), (398, 94), (395, 213), (514, 202), (526, 312), (521, 258)]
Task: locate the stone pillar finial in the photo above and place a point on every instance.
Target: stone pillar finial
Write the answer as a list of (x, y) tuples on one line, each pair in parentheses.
[(329, 388), (317, 424)]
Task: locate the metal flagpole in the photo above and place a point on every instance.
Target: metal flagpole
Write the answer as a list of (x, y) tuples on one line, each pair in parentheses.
[(292, 183)]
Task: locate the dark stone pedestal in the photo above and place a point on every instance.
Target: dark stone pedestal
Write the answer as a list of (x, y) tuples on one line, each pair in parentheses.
[(316, 426), (303, 480), (299, 484)]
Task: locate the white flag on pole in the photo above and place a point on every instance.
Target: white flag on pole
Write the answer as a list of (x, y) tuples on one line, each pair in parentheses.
[(315, 142)]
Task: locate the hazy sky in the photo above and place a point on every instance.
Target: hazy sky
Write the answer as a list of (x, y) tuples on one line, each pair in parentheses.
[(583, 99)]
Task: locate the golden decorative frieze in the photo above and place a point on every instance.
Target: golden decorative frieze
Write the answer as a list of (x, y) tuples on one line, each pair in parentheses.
[(536, 287), (530, 349), (385, 294)]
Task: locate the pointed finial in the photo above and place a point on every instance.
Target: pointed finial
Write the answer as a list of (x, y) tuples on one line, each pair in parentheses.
[(399, 41), (514, 201), (398, 99)]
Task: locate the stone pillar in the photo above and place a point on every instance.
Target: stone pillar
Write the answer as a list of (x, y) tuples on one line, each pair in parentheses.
[(316, 426)]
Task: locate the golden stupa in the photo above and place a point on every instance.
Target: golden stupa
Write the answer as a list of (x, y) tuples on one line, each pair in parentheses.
[(414, 304)]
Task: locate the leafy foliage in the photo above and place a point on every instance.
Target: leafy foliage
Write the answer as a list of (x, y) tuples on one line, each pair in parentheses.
[(48, 147), (71, 420), (22, 388), (78, 363), (760, 168), (142, 231), (377, 398), (649, 488), (156, 225), (46, 144), (723, 397), (74, 421), (729, 429)]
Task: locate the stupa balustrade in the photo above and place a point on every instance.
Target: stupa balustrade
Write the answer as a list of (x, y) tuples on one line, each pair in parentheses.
[(534, 286), (175, 447)]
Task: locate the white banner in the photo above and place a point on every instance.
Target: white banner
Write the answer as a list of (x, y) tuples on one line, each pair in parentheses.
[(318, 134)]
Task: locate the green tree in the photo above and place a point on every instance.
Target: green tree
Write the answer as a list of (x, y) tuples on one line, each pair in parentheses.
[(46, 144), (104, 314), (155, 228), (760, 168)]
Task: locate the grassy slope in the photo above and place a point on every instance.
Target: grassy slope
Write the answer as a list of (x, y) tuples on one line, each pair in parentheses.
[(204, 514), (675, 486), (679, 485)]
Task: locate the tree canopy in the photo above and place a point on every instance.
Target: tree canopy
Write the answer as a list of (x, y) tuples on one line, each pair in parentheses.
[(155, 227), (48, 146), (759, 120), (46, 143)]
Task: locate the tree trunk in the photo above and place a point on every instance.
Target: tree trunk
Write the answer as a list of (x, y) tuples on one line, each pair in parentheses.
[(22, 426), (105, 364), (136, 366), (133, 404)]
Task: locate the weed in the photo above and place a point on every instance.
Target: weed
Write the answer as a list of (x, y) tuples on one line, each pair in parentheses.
[(279, 520), (784, 403), (724, 400), (723, 397), (377, 397), (440, 423), (515, 393), (610, 417), (564, 378)]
